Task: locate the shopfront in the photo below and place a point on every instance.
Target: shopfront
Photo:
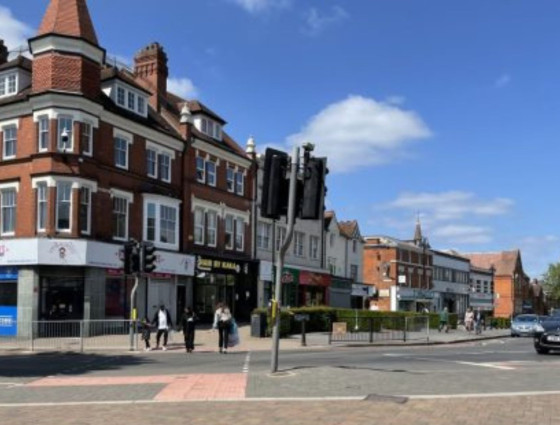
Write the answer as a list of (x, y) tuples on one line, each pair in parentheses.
[(414, 300), (340, 292), (80, 279), (225, 280), (8, 301)]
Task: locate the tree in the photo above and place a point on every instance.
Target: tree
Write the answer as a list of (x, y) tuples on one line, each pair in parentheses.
[(551, 282)]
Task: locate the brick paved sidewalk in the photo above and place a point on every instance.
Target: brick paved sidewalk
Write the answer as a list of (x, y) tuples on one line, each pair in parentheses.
[(457, 411)]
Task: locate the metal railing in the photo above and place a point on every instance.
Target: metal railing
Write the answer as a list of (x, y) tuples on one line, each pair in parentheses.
[(377, 329), (73, 335)]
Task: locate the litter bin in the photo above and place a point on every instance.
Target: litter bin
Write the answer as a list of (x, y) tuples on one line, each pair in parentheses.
[(258, 325)]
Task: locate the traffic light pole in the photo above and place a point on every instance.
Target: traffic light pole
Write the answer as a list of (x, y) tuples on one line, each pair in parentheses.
[(280, 258), (132, 328)]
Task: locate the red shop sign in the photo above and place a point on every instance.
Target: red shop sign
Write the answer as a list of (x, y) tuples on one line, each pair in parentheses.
[(314, 279)]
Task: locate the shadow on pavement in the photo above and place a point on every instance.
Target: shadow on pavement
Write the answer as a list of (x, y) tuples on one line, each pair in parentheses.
[(45, 364)]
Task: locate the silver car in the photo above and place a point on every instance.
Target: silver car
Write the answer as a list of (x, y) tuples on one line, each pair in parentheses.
[(524, 325)]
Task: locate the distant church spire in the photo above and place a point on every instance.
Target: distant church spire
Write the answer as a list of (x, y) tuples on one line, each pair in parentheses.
[(418, 239)]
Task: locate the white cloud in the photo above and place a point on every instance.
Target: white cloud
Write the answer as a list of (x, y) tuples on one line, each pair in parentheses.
[(463, 234), (316, 21), (183, 87), (451, 205), (502, 81), (360, 131), (258, 6), (14, 33)]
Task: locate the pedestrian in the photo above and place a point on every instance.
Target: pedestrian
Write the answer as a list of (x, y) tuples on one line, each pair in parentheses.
[(146, 333), (478, 321), (222, 322), (162, 319), (188, 322), (443, 320), (469, 319)]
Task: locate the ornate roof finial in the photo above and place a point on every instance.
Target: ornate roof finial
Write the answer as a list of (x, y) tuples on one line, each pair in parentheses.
[(251, 145)]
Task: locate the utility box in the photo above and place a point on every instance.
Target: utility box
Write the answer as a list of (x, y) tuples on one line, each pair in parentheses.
[(258, 325)]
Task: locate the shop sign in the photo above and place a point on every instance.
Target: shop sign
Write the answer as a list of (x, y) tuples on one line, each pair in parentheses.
[(384, 293), (290, 276), (314, 279), (343, 284), (80, 252), (8, 274), (409, 294), (359, 290), (205, 264), (8, 321), (266, 271)]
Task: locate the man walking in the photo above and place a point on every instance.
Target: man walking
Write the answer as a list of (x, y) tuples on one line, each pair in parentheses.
[(443, 320), (162, 319)]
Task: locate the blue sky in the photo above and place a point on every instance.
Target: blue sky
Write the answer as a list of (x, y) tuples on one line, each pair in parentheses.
[(443, 108)]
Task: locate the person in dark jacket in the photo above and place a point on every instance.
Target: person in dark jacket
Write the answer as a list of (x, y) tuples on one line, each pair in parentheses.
[(146, 332), (162, 320), (188, 322)]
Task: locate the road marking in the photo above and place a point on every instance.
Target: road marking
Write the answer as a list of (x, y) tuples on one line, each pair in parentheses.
[(246, 363), (482, 395), (137, 402), (490, 365)]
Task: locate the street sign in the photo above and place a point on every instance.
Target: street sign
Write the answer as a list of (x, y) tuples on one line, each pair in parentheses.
[(301, 317)]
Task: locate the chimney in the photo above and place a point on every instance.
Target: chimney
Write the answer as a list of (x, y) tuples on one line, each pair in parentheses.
[(186, 122), (150, 69), (3, 53)]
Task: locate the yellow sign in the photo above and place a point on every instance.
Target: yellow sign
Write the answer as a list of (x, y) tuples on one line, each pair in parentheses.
[(339, 328)]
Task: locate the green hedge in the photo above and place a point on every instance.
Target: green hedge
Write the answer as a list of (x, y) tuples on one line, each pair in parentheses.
[(498, 322), (320, 318)]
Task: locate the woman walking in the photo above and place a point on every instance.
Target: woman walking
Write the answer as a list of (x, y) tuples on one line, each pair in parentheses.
[(469, 319), (188, 321), (222, 322)]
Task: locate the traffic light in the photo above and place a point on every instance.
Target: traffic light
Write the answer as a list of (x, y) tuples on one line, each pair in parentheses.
[(148, 257), (131, 257), (274, 200), (311, 204)]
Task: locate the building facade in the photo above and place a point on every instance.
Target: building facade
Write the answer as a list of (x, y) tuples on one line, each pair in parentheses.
[(481, 295), (305, 279), (451, 284), (400, 271), (509, 279), (344, 248), (93, 156)]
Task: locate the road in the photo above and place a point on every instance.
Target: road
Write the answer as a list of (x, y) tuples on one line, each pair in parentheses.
[(488, 380)]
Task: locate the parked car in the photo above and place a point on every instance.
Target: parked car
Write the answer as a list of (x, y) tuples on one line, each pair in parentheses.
[(524, 325), (547, 334)]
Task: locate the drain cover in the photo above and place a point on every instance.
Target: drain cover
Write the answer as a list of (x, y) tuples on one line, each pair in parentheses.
[(386, 398)]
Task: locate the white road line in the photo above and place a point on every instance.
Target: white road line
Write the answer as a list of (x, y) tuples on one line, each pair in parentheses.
[(482, 395), (246, 363), (490, 365), (137, 402)]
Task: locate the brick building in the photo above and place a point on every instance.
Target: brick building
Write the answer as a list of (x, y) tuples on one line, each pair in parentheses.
[(401, 272), (93, 155), (509, 279)]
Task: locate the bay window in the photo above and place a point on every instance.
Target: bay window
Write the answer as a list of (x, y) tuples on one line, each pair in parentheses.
[(65, 127), (161, 224), (42, 206), (63, 206), (230, 231), (212, 228), (199, 226), (87, 138), (43, 140)]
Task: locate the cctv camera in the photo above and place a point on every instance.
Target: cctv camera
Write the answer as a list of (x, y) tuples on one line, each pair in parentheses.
[(64, 136)]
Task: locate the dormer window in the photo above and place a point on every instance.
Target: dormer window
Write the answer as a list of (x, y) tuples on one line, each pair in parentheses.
[(120, 96), (127, 96), (210, 128), (8, 84)]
